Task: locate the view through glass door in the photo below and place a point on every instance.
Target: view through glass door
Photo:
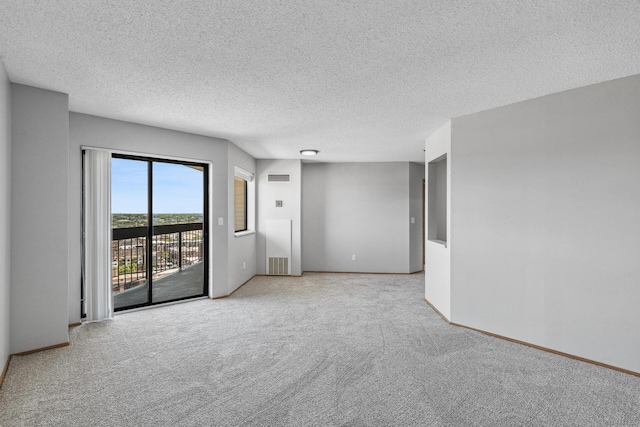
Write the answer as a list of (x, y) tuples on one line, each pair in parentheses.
[(159, 229)]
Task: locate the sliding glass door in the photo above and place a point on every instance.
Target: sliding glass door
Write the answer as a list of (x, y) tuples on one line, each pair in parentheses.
[(159, 231)]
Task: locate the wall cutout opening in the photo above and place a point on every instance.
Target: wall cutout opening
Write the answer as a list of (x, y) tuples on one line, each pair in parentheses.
[(437, 178)]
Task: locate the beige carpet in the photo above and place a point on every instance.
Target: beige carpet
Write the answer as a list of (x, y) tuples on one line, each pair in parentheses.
[(324, 349)]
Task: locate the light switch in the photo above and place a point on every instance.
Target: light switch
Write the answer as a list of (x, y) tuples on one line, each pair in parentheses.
[(220, 221), (413, 220)]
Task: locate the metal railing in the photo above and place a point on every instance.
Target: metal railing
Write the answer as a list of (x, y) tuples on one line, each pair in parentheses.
[(173, 247)]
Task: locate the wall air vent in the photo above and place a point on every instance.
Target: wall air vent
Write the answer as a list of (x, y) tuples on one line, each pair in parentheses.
[(278, 266), (279, 177)]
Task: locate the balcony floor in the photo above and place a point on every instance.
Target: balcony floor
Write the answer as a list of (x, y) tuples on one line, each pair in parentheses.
[(182, 284)]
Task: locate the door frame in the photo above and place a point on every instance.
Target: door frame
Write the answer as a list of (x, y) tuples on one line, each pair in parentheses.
[(206, 166)]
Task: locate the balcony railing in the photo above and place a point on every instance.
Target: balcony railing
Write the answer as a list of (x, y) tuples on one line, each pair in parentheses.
[(174, 247)]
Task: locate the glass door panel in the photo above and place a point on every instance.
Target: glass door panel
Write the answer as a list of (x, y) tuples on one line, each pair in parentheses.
[(130, 222), (178, 242)]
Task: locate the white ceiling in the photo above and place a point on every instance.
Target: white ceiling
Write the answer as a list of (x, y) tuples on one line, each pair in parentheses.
[(357, 80)]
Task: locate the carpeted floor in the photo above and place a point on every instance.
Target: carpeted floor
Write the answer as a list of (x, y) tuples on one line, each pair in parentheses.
[(324, 349)]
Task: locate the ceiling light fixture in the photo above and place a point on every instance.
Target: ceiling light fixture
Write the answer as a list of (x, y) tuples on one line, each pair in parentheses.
[(308, 152)]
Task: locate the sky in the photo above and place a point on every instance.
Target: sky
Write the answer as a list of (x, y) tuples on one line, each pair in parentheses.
[(176, 188)]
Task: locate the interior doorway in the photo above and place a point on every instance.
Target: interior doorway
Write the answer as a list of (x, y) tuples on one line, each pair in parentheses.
[(424, 222), (159, 224)]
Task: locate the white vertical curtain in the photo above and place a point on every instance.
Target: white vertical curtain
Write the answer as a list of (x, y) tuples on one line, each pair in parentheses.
[(97, 234)]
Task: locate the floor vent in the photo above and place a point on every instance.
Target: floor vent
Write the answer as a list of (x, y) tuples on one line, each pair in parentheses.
[(279, 266)]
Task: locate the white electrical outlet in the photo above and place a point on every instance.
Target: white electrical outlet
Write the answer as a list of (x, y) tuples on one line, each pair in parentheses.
[(353, 257), (244, 265)]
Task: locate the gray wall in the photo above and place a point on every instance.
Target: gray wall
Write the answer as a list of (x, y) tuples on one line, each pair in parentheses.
[(545, 229), (290, 194), (5, 213), (242, 248), (360, 209), (39, 218), (95, 131)]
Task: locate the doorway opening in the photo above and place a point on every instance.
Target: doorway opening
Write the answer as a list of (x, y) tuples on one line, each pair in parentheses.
[(424, 223), (159, 227)]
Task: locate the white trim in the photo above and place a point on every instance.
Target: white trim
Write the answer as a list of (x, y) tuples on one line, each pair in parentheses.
[(242, 173)]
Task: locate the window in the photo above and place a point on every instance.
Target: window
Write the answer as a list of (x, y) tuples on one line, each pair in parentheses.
[(243, 202), (240, 204)]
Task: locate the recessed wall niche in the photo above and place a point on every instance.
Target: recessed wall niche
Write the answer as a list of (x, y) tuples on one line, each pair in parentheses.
[(437, 190)]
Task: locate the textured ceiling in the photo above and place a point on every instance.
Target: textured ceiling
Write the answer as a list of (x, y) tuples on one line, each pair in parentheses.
[(357, 80)]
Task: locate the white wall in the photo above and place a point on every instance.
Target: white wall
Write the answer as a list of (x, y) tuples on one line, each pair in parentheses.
[(5, 214), (241, 248), (39, 218), (95, 131), (545, 220), (290, 194), (416, 207), (360, 209), (437, 255)]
